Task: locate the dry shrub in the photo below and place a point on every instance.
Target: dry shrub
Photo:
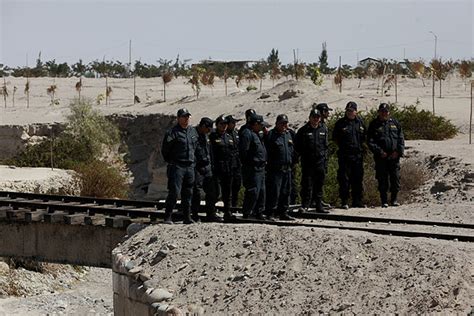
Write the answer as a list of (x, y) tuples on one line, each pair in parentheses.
[(99, 179), (413, 174)]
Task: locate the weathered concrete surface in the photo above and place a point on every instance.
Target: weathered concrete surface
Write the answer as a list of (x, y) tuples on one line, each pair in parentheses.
[(15, 138), (60, 243)]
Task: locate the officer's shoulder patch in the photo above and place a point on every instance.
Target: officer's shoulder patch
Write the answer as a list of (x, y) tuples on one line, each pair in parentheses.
[(231, 141), (169, 138), (290, 141)]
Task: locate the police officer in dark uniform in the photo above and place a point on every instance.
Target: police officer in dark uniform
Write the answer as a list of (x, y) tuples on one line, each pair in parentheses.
[(178, 149), (324, 109), (312, 145), (294, 163), (387, 143), (253, 156), (236, 172), (349, 135), (203, 173), (222, 149), (279, 145)]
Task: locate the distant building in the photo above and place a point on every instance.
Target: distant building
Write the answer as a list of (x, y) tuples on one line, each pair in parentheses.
[(233, 64), (366, 62)]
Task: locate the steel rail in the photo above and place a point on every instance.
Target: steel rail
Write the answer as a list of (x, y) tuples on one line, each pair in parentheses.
[(379, 231), (148, 209)]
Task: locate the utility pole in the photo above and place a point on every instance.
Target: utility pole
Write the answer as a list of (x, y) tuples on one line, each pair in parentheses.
[(295, 63), (340, 77), (432, 70), (470, 115), (130, 56)]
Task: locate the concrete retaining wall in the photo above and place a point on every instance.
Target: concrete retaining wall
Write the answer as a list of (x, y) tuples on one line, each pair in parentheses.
[(60, 243), (135, 293)]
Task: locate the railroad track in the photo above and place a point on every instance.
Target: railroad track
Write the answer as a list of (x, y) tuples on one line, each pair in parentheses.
[(30, 207)]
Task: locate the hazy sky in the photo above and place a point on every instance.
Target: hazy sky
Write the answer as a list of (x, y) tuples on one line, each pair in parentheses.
[(226, 30)]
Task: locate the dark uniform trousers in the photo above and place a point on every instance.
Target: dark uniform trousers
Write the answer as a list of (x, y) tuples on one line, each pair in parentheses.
[(180, 180), (235, 182), (278, 191), (224, 181), (204, 183), (387, 172), (350, 175), (236, 168), (254, 183), (312, 181)]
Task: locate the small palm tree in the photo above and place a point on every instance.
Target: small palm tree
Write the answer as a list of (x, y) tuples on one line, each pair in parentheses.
[(167, 76), (27, 92), (465, 71), (108, 92), (207, 78), (418, 69), (79, 88), (13, 95), (4, 92), (275, 73), (51, 91)]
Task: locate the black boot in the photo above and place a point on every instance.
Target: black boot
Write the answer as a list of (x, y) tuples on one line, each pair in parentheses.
[(187, 218), (384, 199), (393, 199), (168, 217), (344, 204), (195, 217), (320, 208), (229, 217), (212, 217), (285, 217)]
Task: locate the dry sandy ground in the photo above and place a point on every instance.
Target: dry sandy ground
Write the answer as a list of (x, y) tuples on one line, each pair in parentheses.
[(288, 271), (35, 180)]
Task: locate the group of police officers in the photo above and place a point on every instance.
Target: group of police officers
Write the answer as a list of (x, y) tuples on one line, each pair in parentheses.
[(217, 161)]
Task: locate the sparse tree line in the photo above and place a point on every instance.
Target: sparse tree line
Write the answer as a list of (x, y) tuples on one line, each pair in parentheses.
[(204, 74)]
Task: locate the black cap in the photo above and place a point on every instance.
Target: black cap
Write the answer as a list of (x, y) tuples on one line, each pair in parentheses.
[(232, 119), (255, 118), (384, 107), (314, 112), (221, 119), (351, 105), (322, 107), (206, 122), (183, 112), (249, 112), (282, 118)]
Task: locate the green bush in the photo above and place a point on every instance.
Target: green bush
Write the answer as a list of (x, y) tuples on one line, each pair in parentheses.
[(87, 134), (416, 123), (87, 138)]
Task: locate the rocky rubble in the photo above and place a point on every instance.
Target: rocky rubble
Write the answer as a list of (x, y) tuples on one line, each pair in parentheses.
[(218, 269)]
